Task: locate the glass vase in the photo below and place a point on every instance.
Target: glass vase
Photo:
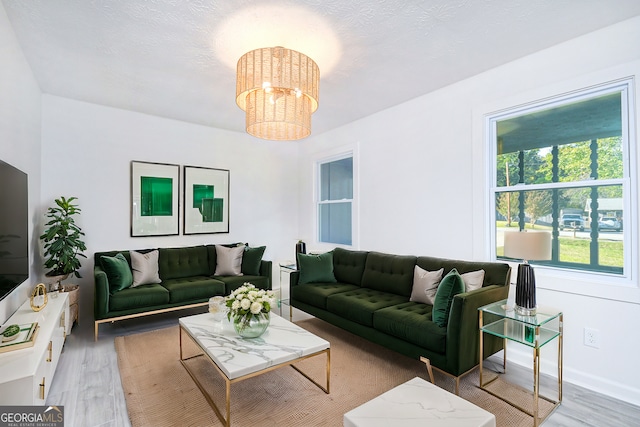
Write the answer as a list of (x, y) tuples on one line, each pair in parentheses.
[(218, 307), (252, 326)]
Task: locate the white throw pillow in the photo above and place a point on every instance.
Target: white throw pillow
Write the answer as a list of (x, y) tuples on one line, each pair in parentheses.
[(425, 285), (473, 280), (229, 261), (144, 268)]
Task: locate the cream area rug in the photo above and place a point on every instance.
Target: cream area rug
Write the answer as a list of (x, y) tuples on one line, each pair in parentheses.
[(159, 391)]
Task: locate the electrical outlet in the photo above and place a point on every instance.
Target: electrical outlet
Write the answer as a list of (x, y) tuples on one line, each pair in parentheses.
[(591, 337)]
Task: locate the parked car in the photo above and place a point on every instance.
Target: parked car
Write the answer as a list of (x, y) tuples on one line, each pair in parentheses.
[(572, 222), (609, 223)]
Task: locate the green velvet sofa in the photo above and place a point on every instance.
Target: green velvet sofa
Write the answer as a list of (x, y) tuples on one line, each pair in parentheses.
[(371, 298), (187, 277)]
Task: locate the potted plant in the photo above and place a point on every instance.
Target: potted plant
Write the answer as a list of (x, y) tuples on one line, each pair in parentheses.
[(62, 240)]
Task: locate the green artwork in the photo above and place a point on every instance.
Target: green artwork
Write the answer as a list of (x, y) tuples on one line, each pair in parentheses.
[(156, 195), (209, 207), (201, 191)]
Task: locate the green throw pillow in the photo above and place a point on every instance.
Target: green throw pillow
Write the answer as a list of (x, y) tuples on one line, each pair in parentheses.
[(251, 259), (118, 272), (451, 285), (316, 268)]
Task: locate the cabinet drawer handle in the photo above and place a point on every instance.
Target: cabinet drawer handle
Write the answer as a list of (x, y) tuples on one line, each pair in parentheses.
[(42, 389), (50, 351)]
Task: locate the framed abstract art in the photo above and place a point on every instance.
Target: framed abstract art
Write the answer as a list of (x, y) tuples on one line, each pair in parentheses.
[(206, 200), (155, 199)]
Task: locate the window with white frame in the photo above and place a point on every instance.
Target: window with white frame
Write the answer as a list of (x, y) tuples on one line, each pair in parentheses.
[(563, 165), (335, 200)]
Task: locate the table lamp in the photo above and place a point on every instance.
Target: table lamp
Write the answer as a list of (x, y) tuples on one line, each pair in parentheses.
[(527, 246)]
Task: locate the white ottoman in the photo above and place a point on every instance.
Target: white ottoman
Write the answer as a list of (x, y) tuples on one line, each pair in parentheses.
[(418, 403)]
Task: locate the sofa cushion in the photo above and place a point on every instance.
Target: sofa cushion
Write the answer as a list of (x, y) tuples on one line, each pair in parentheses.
[(193, 288), (175, 263), (425, 285), (472, 280), (144, 268), (213, 258), (358, 305), (451, 285), (231, 283), (118, 272), (251, 258), (229, 261), (316, 294), (316, 268), (140, 297), (412, 322), (389, 273), (348, 266), (495, 273)]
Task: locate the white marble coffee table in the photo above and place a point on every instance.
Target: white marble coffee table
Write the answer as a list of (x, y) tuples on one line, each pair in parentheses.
[(418, 403), (237, 358)]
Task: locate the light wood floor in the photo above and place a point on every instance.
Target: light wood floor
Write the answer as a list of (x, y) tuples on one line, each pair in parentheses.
[(87, 381)]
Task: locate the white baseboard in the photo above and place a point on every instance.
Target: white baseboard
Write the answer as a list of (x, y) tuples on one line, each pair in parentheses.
[(580, 378)]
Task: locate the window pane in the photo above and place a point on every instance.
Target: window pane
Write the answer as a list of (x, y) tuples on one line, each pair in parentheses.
[(336, 180), (572, 122), (578, 241), (555, 145), (525, 144), (335, 223)]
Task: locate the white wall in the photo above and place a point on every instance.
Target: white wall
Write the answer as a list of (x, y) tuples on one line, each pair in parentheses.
[(87, 150), (422, 190), (19, 137)]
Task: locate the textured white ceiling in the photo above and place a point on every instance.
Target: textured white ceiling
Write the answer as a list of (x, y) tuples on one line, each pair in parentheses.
[(173, 58)]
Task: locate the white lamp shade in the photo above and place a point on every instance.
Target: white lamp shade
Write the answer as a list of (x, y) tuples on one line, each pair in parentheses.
[(528, 245)]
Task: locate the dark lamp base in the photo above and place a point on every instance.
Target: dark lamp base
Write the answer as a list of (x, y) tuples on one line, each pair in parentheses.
[(526, 291)]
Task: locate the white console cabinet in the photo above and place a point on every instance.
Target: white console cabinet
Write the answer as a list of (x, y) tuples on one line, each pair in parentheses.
[(26, 374)]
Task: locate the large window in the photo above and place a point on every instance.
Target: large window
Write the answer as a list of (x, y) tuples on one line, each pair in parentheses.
[(563, 166), (335, 201)]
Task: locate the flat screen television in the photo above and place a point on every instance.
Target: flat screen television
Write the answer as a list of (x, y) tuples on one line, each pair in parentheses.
[(14, 228)]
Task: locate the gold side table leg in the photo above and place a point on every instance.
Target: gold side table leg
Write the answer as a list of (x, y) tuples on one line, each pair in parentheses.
[(560, 328), (536, 384), (481, 346)]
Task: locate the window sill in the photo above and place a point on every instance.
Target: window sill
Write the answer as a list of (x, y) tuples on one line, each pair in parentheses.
[(603, 286)]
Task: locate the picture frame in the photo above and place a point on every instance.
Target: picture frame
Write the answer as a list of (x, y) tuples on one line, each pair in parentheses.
[(155, 199), (206, 200)]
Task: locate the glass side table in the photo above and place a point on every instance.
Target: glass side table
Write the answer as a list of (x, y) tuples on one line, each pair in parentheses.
[(286, 268), (532, 331)]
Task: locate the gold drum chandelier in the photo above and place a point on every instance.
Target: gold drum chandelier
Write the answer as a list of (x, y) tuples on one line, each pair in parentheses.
[(278, 90)]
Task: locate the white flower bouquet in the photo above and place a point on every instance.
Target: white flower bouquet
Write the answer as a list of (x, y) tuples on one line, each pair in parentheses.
[(248, 303)]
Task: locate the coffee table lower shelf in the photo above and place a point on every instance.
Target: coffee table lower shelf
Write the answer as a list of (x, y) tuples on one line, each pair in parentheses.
[(226, 420)]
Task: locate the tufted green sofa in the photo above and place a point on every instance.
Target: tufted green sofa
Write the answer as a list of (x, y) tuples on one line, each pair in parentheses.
[(188, 280), (371, 298)]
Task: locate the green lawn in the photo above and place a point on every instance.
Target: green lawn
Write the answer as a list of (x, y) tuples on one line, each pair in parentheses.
[(577, 250)]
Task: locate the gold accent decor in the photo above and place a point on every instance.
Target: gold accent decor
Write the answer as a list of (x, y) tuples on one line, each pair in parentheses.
[(39, 297), (42, 393), (50, 350), (278, 89)]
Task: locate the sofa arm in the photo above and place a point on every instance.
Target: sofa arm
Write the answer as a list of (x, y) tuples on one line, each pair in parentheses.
[(266, 270), (294, 277), (463, 336), (101, 295)]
